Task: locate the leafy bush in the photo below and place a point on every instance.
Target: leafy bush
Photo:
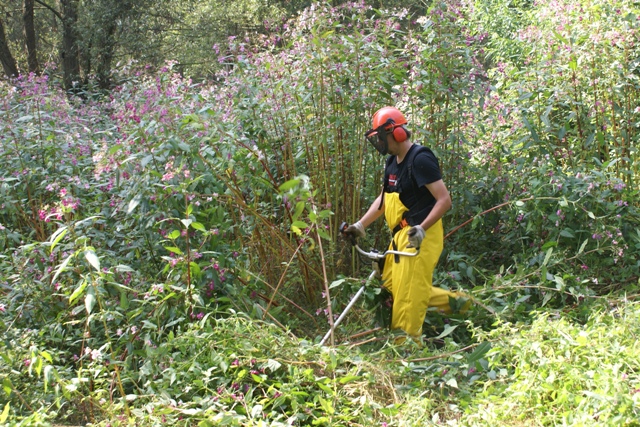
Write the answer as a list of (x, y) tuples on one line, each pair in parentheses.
[(141, 229)]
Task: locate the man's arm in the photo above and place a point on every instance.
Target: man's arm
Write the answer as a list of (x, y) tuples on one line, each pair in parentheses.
[(443, 203), (375, 211)]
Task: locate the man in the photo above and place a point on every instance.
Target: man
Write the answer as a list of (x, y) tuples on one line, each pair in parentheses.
[(413, 201)]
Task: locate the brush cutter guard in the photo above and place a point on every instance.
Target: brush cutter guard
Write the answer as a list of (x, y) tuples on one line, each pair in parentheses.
[(376, 257)]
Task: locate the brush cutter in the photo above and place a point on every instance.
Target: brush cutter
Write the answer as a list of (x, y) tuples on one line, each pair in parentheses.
[(377, 259)]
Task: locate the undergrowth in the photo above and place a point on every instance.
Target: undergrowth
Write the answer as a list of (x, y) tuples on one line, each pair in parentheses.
[(558, 369), (170, 256)]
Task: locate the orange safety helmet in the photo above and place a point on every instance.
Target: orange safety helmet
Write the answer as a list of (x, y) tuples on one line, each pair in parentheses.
[(385, 121)]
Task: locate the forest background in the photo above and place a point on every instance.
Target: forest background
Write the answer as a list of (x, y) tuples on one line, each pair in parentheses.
[(173, 176)]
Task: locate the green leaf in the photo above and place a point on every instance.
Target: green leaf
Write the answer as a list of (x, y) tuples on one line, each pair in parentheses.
[(289, 185), (573, 64), (173, 249), (336, 283), (134, 203), (145, 161), (452, 383), (7, 386), (90, 300), (349, 378), (567, 233), (174, 234), (322, 233), (584, 244), (48, 374), (76, 294), (124, 301), (115, 149), (447, 330), (198, 226), (478, 353), (5, 413), (195, 269), (300, 224), (548, 256), (61, 267), (37, 365), (57, 236), (92, 259), (273, 365), (298, 211)]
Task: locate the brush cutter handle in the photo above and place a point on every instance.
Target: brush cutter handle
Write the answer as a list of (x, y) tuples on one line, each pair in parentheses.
[(373, 254)]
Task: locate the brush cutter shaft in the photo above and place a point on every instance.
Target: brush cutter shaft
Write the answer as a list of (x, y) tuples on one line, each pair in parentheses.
[(374, 255), (346, 310)]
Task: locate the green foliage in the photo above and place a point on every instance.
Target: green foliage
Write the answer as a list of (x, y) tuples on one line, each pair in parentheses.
[(169, 251), (565, 372)]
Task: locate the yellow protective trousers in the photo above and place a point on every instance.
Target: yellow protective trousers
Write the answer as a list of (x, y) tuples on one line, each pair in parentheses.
[(410, 279)]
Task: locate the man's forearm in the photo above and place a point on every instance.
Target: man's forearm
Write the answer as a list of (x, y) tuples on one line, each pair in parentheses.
[(439, 209), (374, 212)]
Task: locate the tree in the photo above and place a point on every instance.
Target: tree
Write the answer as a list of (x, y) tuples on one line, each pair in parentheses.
[(69, 48), (102, 27), (30, 36), (8, 62)]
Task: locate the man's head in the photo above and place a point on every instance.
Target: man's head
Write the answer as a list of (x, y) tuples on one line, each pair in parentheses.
[(387, 122)]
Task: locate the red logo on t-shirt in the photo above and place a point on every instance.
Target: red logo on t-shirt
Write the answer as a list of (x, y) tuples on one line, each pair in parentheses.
[(393, 180)]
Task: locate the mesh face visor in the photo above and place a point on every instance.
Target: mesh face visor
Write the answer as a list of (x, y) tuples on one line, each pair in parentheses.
[(378, 138)]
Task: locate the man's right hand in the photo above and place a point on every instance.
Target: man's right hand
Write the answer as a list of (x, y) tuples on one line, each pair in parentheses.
[(356, 230)]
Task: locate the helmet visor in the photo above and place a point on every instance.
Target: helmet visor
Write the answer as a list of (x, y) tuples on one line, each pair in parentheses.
[(378, 138)]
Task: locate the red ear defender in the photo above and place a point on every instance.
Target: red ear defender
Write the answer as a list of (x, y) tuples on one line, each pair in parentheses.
[(400, 134)]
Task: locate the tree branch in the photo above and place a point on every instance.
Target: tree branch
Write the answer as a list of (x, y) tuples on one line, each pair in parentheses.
[(55, 12)]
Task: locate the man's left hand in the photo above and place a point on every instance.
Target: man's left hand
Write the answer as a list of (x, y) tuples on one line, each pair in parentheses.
[(416, 235)]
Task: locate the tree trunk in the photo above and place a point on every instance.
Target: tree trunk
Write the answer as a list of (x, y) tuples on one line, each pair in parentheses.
[(69, 49), (30, 36), (105, 56), (105, 39), (8, 62)]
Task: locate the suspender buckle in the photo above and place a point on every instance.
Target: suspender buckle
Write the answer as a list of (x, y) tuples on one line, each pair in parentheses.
[(404, 223)]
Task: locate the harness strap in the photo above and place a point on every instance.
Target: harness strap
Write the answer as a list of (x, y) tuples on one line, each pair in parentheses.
[(396, 257)]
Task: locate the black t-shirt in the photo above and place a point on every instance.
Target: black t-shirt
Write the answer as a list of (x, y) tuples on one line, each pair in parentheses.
[(413, 193)]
